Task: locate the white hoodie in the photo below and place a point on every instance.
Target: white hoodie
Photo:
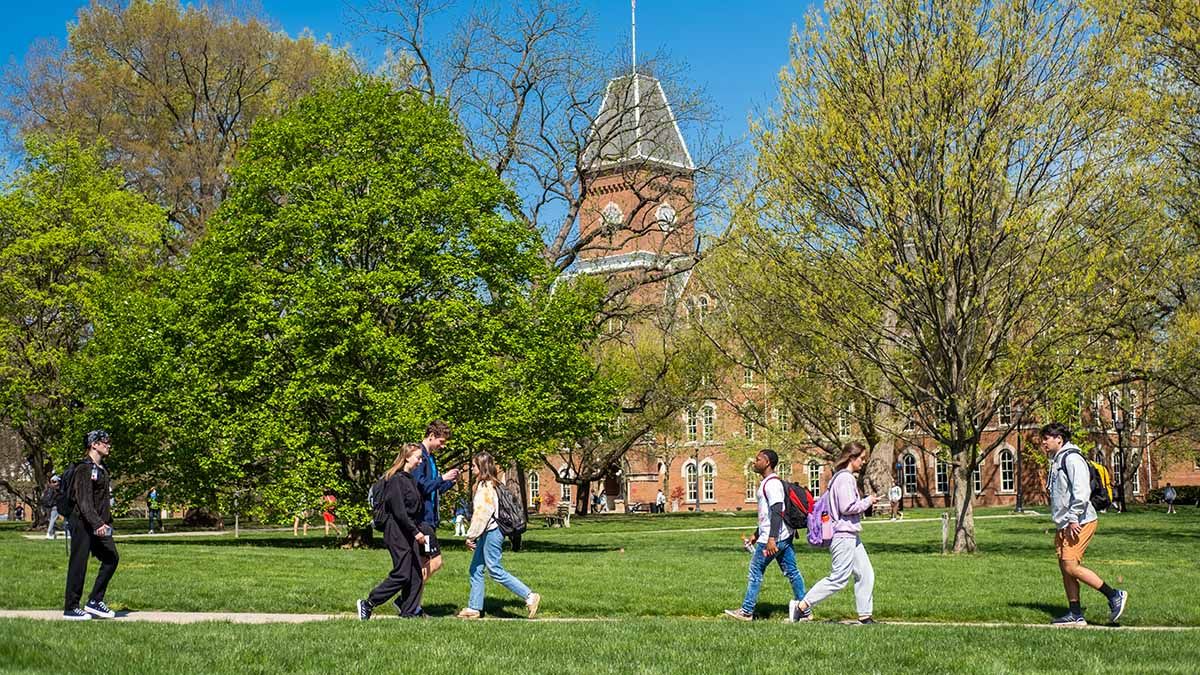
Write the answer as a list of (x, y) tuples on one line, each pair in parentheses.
[(1070, 488)]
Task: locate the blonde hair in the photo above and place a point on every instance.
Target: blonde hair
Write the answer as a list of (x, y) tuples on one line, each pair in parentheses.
[(849, 452), (406, 451)]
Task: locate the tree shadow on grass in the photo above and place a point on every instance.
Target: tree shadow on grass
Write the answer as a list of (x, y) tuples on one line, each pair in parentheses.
[(323, 543)]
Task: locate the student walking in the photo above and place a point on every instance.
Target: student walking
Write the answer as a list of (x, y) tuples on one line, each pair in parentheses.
[(460, 518), (1070, 488), (660, 502), (1169, 496), (91, 530), (849, 556), (772, 542), (153, 509), (896, 501), (50, 503), (433, 486), (328, 503), (486, 540), (404, 506)]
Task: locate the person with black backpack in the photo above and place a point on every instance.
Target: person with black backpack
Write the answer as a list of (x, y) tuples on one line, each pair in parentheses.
[(85, 501), (397, 511), (772, 541), (1070, 484), (492, 516), (50, 503)]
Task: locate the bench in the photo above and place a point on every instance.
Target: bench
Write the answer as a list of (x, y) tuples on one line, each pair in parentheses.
[(561, 517)]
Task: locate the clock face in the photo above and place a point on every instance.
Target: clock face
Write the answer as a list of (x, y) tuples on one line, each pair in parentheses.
[(665, 215), (612, 214)]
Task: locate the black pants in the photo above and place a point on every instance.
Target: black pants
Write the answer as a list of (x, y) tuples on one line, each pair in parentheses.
[(155, 516), (405, 577), (83, 544)]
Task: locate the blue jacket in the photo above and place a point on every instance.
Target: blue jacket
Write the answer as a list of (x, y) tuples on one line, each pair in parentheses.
[(432, 486)]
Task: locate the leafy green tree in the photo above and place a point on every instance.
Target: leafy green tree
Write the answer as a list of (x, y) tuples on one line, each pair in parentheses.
[(71, 237), (945, 185), (360, 279), (173, 90)]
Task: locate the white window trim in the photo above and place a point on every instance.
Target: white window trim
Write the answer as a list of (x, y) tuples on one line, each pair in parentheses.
[(708, 432), (1000, 463), (752, 474), (700, 481), (936, 490), (916, 473)]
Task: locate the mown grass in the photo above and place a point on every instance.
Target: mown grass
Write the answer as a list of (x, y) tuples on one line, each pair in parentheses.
[(665, 586)]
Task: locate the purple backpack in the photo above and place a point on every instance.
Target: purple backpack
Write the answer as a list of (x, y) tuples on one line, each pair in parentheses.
[(820, 519)]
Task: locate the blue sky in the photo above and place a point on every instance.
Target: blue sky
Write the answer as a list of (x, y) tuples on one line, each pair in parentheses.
[(734, 50)]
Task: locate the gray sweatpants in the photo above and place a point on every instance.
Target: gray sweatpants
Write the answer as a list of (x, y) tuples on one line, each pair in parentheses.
[(849, 559)]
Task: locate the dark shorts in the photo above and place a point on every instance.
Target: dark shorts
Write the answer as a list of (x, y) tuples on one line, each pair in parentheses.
[(432, 550)]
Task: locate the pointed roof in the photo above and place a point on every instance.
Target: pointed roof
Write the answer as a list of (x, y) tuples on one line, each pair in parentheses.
[(635, 125)]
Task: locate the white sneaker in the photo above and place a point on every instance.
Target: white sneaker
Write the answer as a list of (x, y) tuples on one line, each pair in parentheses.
[(532, 603)]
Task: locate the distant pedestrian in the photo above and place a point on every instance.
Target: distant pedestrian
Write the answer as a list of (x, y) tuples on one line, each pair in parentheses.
[(404, 507), (896, 501), (660, 502), (487, 541), (328, 504), (460, 518), (50, 503), (153, 509), (19, 512), (91, 530), (1069, 485), (1169, 496), (300, 518), (772, 542), (849, 556)]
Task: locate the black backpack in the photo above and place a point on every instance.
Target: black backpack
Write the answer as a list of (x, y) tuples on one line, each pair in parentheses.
[(66, 491), (510, 515), (797, 504), (377, 500)]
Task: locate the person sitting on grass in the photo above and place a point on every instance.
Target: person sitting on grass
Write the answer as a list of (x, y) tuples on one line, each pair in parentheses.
[(404, 505), (849, 556), (486, 540), (772, 541), (1070, 488)]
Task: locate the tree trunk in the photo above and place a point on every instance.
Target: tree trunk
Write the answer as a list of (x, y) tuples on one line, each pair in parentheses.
[(583, 498), (964, 504), (880, 471)]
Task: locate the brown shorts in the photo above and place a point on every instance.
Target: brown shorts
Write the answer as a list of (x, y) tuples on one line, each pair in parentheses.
[(1068, 549)]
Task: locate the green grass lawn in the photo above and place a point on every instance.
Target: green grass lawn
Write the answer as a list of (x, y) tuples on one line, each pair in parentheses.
[(666, 588)]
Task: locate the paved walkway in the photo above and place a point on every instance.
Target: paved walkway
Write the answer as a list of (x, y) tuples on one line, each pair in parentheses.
[(1027, 514), (263, 618)]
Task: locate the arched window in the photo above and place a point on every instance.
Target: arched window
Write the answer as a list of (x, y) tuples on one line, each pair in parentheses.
[(814, 478), (752, 480), (710, 421), (748, 428), (692, 422), (977, 480), (689, 472), (943, 476), (535, 485), (1137, 479), (1008, 481), (910, 473), (708, 474), (1118, 468)]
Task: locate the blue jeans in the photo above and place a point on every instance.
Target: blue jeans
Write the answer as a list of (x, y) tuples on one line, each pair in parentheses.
[(487, 555), (758, 564)]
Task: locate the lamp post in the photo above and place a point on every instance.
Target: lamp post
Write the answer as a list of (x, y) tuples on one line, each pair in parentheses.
[(1020, 508), (1118, 424)]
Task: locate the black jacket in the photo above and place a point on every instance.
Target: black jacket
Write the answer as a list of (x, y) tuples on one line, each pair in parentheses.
[(405, 503), (91, 488)]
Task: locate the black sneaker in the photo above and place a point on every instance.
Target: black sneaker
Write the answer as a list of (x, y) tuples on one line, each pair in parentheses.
[(866, 621), (1116, 605), (364, 610), (76, 615), (1069, 619), (98, 609)]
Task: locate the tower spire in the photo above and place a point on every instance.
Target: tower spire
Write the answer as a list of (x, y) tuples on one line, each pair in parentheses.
[(633, 33)]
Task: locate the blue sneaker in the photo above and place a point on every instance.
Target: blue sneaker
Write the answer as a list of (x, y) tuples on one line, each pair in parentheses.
[(364, 610), (1116, 606), (76, 615), (1069, 619), (98, 609)]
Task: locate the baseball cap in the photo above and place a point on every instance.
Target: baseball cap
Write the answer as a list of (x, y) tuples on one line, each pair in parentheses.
[(97, 436)]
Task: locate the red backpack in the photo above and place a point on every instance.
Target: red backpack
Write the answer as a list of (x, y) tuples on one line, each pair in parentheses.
[(797, 504)]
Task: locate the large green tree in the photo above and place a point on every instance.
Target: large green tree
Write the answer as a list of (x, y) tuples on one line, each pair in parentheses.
[(361, 278), (945, 191), (71, 237), (173, 89)]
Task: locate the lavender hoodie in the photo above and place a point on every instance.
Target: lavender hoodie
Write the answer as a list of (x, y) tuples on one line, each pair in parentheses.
[(847, 505)]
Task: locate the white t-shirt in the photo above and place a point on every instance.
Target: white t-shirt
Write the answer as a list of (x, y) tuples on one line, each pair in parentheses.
[(770, 491)]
